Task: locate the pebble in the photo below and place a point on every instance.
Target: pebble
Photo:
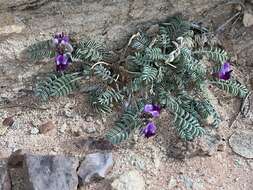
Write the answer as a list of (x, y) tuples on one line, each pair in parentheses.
[(3, 129), (34, 131), (69, 113), (8, 121), (90, 129), (62, 128)]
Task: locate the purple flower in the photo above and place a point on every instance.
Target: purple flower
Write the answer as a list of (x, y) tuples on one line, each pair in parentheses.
[(225, 72), (60, 39), (149, 130), (154, 110), (62, 61)]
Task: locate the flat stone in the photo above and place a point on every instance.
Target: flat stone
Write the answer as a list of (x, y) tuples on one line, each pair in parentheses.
[(5, 181), (130, 180), (242, 143), (90, 129), (50, 172), (95, 165)]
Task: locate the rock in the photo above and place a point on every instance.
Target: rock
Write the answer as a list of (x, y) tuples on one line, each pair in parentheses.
[(34, 131), (8, 121), (130, 180), (242, 143), (3, 129), (16, 125), (172, 183), (46, 127), (5, 181), (248, 19), (95, 165), (69, 113), (90, 129), (50, 172), (16, 158), (63, 128), (206, 145)]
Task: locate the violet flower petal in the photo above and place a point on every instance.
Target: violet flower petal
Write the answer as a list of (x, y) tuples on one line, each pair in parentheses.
[(225, 72), (226, 67), (62, 62), (148, 108), (154, 110), (149, 130)]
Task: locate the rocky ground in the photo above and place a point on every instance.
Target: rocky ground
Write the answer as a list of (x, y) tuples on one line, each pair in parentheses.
[(60, 137)]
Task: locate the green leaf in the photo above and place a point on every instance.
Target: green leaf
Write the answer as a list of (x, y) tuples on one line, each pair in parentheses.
[(89, 51), (57, 85), (41, 50), (175, 27), (231, 86), (215, 54), (128, 122)]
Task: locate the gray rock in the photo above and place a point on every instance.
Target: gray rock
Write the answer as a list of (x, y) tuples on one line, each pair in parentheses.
[(95, 165), (50, 172), (34, 131), (63, 128), (242, 143), (90, 129), (130, 180), (5, 181)]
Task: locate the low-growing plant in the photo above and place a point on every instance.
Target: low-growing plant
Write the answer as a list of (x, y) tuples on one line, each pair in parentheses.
[(171, 70)]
